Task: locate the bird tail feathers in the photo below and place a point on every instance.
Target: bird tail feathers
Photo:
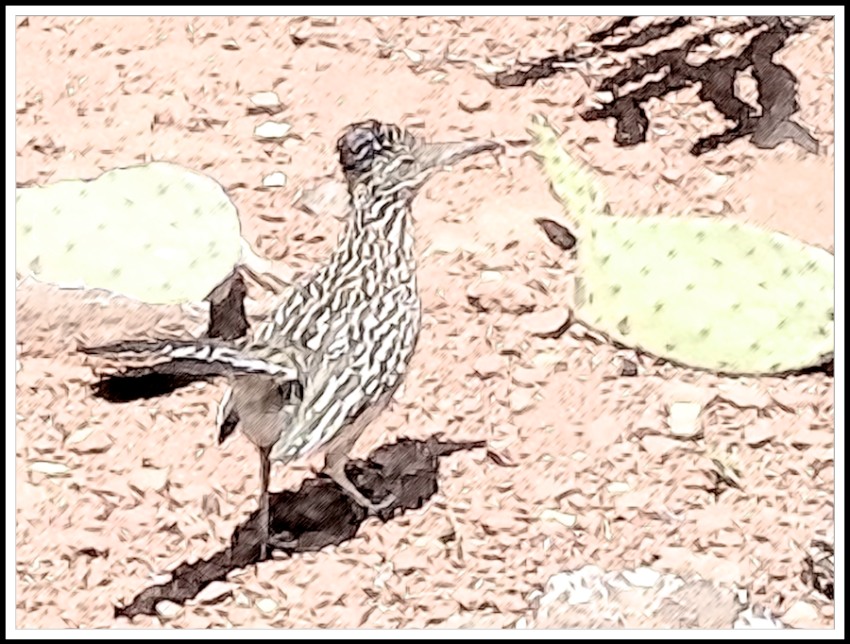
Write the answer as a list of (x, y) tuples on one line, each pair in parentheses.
[(182, 362)]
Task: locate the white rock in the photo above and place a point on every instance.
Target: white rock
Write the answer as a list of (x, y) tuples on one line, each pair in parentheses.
[(79, 436), (618, 487), (488, 68), (88, 440), (267, 605), (274, 180), (683, 418), (642, 577), (266, 99), (546, 322), (167, 609), (491, 276), (49, 468), (723, 39), (214, 592), (568, 520), (272, 130), (414, 56)]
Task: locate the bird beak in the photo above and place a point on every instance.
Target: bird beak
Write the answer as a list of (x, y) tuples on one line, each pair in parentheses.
[(434, 157)]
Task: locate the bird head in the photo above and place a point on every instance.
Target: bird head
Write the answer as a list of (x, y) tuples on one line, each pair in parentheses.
[(385, 159)]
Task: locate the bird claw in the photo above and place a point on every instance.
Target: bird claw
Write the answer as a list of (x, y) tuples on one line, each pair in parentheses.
[(279, 543), (387, 501), (371, 507)]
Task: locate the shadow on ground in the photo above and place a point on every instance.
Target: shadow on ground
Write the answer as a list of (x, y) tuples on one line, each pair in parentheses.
[(715, 78), (318, 514)]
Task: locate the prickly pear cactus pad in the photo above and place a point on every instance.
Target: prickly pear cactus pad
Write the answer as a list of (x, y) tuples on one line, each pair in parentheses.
[(157, 232), (705, 292)]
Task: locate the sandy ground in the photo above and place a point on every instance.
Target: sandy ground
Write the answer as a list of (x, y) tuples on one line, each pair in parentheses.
[(131, 491)]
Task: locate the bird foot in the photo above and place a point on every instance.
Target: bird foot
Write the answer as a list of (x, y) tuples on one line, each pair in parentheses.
[(371, 507), (376, 508), (280, 543), (358, 497), (336, 471), (273, 543)]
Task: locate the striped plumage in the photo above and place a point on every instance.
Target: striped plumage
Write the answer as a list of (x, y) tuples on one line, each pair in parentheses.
[(353, 325), (329, 358)]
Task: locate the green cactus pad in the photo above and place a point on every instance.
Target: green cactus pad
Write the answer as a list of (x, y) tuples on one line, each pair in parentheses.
[(158, 232), (705, 292)]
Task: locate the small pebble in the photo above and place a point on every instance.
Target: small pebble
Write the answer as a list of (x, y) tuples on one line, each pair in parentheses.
[(549, 324), (272, 130), (629, 369), (214, 592), (50, 469), (683, 419), (167, 609), (266, 99), (567, 520), (414, 56), (274, 180), (618, 487), (642, 577), (557, 234), (267, 605)]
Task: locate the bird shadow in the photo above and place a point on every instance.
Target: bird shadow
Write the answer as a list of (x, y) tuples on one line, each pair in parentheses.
[(316, 515)]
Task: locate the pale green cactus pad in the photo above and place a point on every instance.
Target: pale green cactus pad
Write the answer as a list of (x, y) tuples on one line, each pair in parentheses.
[(159, 233), (704, 292)]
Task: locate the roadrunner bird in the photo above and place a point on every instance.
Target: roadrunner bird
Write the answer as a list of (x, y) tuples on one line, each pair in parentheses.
[(328, 360)]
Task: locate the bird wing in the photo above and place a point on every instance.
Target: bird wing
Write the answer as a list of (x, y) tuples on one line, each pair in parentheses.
[(196, 357), (360, 362)]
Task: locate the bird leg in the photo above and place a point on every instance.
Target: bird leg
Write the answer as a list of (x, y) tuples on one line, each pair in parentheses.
[(264, 516), (265, 523)]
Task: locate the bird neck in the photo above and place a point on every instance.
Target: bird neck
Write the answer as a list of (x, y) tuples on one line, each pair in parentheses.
[(380, 237)]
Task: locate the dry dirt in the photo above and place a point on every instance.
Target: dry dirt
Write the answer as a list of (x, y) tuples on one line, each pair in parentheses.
[(110, 497)]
